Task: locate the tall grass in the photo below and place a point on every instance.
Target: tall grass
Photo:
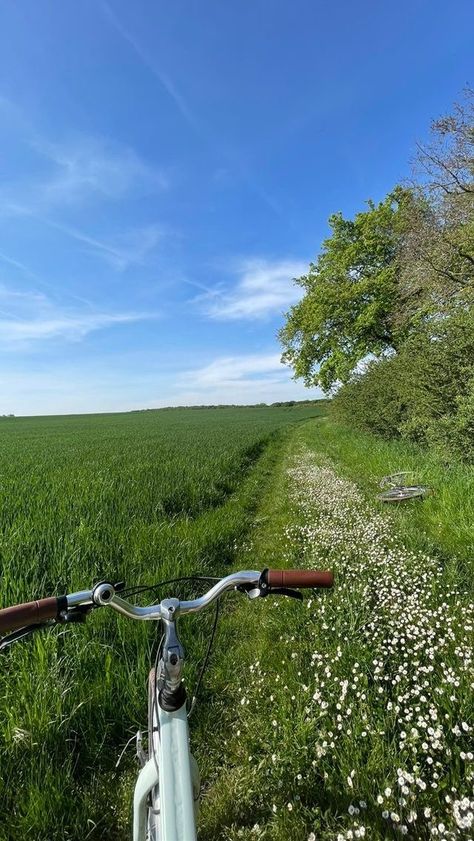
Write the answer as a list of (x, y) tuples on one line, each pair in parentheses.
[(350, 716), (442, 523), (300, 732), (136, 497)]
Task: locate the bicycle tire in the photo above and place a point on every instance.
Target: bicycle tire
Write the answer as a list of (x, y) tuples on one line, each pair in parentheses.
[(402, 493)]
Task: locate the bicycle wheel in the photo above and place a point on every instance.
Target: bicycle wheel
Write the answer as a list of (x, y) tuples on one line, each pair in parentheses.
[(402, 493), (153, 744)]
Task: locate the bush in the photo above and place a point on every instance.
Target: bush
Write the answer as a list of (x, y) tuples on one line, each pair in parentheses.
[(369, 401), (424, 393)]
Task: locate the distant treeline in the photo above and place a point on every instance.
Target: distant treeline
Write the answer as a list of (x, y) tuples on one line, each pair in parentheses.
[(387, 319), (280, 403)]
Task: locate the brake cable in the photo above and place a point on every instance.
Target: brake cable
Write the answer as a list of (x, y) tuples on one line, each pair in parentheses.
[(21, 633), (158, 585), (135, 591), (205, 662)]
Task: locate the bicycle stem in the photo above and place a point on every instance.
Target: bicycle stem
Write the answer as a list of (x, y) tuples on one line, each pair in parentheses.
[(172, 693)]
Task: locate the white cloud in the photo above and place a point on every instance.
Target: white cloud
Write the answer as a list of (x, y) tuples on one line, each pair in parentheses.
[(150, 62), (264, 288), (15, 263), (28, 317), (206, 132), (250, 378), (89, 166), (66, 327), (120, 382), (227, 370)]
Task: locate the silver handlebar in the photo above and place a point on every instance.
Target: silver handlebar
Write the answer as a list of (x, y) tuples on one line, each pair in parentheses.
[(104, 594)]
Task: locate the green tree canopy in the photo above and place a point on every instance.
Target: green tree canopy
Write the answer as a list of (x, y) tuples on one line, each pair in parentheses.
[(351, 295)]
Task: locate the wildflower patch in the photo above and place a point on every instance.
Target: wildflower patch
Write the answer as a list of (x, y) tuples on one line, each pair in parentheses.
[(368, 698)]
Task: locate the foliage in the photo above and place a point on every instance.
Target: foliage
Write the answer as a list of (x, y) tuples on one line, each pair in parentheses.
[(370, 401), (350, 295), (388, 310), (437, 253), (423, 393)]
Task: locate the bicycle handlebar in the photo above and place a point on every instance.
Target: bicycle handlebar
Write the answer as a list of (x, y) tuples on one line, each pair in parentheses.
[(31, 613), (299, 578), (259, 584)]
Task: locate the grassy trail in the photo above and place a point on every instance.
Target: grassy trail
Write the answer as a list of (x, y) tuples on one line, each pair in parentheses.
[(351, 716)]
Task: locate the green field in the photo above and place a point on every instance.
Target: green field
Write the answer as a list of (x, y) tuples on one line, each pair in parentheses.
[(138, 497), (350, 716)]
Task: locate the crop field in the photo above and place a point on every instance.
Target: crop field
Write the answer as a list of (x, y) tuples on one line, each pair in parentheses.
[(139, 497), (347, 716)]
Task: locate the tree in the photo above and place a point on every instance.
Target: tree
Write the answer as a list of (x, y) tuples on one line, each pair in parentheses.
[(437, 253), (424, 393), (351, 295)]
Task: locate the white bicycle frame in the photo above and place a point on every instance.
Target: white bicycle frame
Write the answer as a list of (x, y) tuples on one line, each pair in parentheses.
[(166, 798), (170, 781), (167, 791)]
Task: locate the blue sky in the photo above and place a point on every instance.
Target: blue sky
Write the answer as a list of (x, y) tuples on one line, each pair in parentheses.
[(167, 168)]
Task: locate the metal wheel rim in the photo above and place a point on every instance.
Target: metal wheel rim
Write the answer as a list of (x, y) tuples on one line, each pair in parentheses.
[(400, 494)]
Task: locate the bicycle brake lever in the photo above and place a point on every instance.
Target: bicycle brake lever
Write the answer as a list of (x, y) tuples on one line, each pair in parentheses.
[(250, 590), (21, 633), (283, 591), (74, 614), (263, 590)]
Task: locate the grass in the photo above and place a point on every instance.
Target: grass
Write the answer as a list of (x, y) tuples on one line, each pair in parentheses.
[(352, 716), (139, 497), (299, 729), (442, 523)]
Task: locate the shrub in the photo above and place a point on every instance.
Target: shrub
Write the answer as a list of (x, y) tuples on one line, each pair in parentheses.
[(424, 393)]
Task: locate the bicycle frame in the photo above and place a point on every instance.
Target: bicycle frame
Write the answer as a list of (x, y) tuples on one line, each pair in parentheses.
[(174, 770), (167, 790)]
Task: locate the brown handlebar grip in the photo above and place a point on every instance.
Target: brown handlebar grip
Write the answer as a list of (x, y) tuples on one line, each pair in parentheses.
[(299, 578), (21, 615)]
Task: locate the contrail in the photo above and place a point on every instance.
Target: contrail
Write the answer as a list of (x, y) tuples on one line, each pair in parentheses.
[(187, 113), (82, 237), (165, 82), (16, 264)]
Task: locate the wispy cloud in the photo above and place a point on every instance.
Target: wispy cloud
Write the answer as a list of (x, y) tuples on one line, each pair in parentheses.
[(263, 288), (29, 317), (77, 171), (228, 370), (88, 165), (10, 261), (57, 386), (70, 327), (212, 138)]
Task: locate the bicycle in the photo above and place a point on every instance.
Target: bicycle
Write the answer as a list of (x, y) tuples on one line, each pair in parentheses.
[(393, 490), (166, 797)]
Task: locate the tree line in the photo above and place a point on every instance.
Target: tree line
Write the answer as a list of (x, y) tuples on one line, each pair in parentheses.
[(386, 322)]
